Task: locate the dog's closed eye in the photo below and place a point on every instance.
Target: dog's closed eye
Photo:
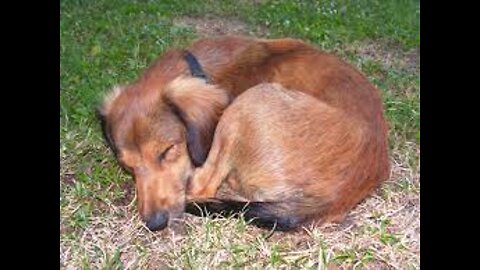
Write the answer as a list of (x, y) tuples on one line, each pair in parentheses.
[(162, 156)]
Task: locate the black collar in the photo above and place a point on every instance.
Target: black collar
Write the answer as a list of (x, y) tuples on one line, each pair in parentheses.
[(194, 66)]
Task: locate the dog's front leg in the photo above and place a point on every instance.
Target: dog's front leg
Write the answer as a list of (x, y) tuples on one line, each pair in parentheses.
[(206, 181)]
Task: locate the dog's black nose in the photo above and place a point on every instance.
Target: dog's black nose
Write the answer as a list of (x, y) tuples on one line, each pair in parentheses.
[(157, 221)]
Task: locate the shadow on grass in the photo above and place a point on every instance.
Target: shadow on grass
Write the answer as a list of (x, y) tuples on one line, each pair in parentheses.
[(261, 214)]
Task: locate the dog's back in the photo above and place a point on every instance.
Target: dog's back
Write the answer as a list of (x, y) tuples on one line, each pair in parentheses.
[(237, 63)]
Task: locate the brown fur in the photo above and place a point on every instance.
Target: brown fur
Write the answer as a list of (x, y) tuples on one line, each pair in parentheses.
[(307, 159), (160, 129)]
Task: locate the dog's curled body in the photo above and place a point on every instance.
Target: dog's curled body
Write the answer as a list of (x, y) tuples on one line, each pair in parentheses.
[(294, 157), (161, 126)]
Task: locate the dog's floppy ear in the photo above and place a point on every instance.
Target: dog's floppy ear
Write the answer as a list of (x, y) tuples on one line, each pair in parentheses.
[(102, 112), (199, 105)]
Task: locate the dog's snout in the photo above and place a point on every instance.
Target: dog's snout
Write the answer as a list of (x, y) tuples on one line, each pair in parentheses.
[(157, 221)]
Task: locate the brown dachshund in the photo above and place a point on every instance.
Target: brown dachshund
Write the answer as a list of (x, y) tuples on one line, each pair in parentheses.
[(293, 157), (161, 126)]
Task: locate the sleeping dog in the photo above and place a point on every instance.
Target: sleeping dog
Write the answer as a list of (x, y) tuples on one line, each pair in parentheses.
[(161, 126)]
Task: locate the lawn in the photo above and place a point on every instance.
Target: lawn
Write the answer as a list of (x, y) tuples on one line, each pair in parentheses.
[(104, 43)]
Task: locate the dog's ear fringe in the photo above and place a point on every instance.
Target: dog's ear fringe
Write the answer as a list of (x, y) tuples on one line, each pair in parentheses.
[(102, 112), (199, 106), (106, 131), (109, 98)]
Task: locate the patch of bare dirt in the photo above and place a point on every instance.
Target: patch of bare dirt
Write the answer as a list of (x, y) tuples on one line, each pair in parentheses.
[(129, 189), (391, 56), (215, 26), (69, 179)]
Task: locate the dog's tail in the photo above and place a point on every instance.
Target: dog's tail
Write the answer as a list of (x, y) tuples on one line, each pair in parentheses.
[(273, 215), (257, 52), (284, 45)]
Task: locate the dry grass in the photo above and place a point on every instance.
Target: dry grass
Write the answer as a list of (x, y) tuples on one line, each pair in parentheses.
[(381, 233), (214, 26)]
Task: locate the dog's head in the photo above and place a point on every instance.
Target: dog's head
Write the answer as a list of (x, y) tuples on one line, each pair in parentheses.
[(159, 135)]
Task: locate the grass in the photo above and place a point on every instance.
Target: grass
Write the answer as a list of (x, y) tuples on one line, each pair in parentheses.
[(104, 43)]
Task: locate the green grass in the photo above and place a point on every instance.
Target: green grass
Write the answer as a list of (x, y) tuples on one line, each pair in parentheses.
[(105, 43)]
